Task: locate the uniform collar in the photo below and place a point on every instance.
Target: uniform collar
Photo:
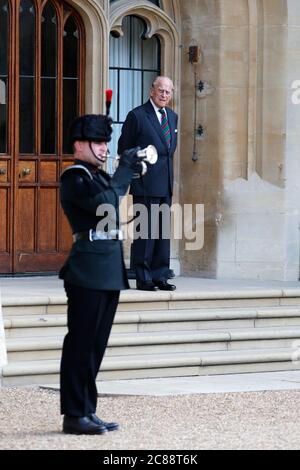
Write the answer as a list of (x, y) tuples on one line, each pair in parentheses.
[(89, 166)]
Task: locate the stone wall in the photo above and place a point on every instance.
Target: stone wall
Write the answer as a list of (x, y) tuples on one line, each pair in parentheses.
[(200, 180), (247, 174)]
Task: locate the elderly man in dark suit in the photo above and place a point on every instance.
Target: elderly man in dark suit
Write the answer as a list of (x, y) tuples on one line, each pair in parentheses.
[(94, 273), (153, 124)]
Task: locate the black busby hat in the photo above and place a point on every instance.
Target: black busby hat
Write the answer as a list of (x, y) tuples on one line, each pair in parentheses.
[(91, 127)]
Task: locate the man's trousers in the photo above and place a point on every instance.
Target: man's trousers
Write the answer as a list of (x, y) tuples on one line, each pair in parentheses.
[(90, 317), (151, 253)]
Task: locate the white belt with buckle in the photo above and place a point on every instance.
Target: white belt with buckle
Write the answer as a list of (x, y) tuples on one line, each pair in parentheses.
[(111, 235), (93, 235)]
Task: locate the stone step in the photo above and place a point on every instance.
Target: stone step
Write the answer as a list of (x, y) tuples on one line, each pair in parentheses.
[(28, 349), (31, 325), (162, 334), (161, 365), (161, 320), (133, 300)]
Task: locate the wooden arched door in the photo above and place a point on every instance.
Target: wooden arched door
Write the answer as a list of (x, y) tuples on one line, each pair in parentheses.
[(41, 90)]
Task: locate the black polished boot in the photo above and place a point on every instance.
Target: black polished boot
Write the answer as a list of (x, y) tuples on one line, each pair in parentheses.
[(109, 426), (147, 285), (164, 285), (82, 425)]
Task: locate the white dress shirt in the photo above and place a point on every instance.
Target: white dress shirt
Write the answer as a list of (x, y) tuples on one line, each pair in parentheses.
[(156, 109)]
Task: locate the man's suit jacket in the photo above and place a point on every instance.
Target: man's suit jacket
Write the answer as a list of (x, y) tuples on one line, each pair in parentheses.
[(142, 128)]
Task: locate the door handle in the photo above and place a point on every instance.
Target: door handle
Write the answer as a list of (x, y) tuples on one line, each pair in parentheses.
[(2, 171), (26, 171)]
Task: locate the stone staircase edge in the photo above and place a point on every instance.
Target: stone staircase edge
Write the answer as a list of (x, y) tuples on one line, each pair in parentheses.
[(135, 296), (162, 337), (10, 301), (161, 316), (142, 362)]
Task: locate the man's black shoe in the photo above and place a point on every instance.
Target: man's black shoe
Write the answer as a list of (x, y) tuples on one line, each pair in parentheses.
[(83, 425), (147, 285), (109, 426), (164, 285)]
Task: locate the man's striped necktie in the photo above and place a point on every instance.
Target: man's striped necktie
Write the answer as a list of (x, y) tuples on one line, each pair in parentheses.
[(165, 126)]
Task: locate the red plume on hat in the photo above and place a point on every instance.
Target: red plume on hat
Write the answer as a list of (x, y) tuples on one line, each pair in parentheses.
[(108, 94)]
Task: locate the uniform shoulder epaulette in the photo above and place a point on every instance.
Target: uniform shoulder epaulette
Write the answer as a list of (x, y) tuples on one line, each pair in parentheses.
[(77, 167)]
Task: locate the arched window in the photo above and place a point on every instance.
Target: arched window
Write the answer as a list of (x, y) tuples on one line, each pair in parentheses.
[(42, 61), (48, 77), (134, 63)]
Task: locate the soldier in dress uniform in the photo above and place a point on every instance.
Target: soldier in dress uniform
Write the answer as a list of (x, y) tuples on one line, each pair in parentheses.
[(94, 272)]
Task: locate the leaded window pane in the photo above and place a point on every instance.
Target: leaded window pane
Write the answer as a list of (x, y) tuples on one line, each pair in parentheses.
[(3, 74), (48, 80), (70, 37), (137, 29), (27, 76), (119, 48), (3, 37), (134, 63), (70, 78), (3, 114)]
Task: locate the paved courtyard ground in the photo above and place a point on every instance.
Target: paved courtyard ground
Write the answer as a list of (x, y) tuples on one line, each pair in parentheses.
[(29, 419)]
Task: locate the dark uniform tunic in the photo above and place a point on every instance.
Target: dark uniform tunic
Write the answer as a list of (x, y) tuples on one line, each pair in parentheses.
[(94, 273)]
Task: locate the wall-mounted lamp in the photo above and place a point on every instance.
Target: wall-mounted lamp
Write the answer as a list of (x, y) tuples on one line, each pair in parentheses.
[(194, 54)]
